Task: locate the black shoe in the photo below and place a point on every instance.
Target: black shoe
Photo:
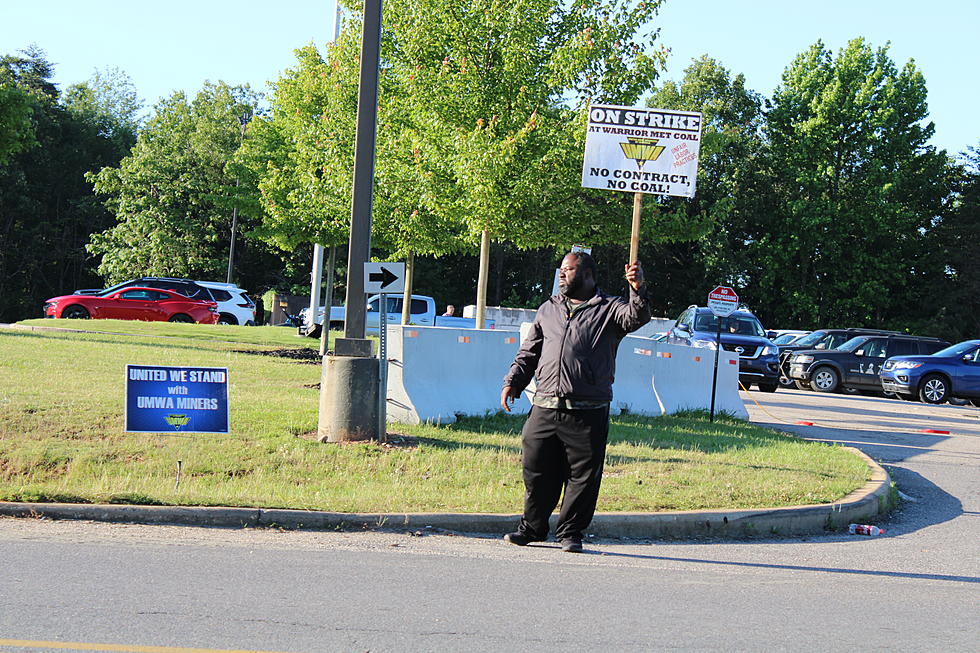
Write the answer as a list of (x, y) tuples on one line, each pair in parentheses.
[(571, 545), (520, 539)]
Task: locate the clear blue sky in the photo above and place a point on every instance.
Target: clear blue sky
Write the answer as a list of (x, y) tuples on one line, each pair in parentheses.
[(176, 45)]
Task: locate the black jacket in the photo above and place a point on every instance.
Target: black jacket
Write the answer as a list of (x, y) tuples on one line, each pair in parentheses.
[(575, 358)]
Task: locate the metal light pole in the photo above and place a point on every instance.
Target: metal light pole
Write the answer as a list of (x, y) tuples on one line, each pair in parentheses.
[(243, 121), (349, 384), (317, 272)]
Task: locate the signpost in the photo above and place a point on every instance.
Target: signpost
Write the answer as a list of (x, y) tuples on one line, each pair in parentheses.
[(722, 301), (643, 151), (383, 278)]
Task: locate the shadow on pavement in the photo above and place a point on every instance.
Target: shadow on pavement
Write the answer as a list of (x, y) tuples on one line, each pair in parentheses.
[(764, 565)]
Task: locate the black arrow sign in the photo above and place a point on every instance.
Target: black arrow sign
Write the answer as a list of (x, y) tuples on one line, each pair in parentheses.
[(386, 277)]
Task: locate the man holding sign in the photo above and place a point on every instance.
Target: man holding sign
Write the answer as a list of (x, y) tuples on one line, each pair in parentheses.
[(571, 352)]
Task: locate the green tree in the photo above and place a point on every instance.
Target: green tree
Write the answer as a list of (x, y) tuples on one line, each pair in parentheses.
[(173, 195), (109, 100), (856, 189), (16, 128), (47, 209), (710, 227), (946, 302)]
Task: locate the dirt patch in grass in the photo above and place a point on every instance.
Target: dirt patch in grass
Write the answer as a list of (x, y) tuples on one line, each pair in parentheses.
[(298, 355)]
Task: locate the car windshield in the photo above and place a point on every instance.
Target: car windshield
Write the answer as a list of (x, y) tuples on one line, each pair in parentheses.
[(737, 324), (853, 343), (785, 339), (811, 338), (111, 289), (957, 349)]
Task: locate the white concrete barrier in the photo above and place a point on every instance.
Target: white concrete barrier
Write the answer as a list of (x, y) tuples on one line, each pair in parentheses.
[(655, 378), (437, 373)]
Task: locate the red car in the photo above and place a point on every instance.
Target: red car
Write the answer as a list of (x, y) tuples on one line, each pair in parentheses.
[(150, 304)]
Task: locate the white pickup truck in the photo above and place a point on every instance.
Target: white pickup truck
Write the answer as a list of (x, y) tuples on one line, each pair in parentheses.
[(423, 313)]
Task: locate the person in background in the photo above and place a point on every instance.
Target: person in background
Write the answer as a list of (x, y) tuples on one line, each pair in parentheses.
[(571, 352), (450, 311)]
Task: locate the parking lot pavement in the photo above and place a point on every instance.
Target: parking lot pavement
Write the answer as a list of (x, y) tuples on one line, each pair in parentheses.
[(932, 452)]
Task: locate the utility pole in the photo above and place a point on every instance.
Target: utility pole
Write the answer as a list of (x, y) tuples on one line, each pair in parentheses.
[(349, 383), (242, 121)]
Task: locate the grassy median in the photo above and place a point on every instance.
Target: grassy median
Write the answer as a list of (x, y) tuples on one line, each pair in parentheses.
[(62, 439)]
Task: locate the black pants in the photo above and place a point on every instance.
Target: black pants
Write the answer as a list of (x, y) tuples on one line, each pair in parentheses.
[(562, 449)]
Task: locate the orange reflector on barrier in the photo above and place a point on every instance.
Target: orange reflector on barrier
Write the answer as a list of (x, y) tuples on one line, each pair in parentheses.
[(464, 339), (697, 359), (510, 341), (411, 333), (663, 354), (642, 352), (732, 362)]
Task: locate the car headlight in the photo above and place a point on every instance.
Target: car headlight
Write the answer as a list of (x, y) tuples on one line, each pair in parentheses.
[(906, 365), (802, 359), (770, 350), (704, 344)]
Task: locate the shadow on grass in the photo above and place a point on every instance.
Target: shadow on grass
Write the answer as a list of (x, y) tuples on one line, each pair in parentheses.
[(108, 339), (668, 433)]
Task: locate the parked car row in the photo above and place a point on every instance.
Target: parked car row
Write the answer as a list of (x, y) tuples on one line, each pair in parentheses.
[(158, 298), (836, 360)]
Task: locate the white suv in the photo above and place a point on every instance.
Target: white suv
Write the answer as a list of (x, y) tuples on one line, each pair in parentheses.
[(234, 305)]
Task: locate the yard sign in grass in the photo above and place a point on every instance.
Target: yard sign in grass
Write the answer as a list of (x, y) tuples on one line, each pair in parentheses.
[(163, 399)]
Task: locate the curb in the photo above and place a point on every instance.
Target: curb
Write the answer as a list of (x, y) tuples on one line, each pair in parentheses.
[(865, 504)]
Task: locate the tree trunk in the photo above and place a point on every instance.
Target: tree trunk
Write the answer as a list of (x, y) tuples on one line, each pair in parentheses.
[(407, 296), (481, 286)]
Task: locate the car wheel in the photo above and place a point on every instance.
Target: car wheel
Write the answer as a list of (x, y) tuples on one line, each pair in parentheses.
[(224, 318), (182, 318), (802, 385), (768, 387), (250, 323), (956, 401), (934, 389), (336, 326), (825, 379), (75, 312)]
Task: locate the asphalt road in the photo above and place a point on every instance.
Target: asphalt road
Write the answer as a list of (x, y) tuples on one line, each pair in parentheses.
[(916, 588)]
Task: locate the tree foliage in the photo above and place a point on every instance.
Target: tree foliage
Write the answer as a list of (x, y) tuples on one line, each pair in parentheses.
[(855, 189), (173, 195), (47, 208)]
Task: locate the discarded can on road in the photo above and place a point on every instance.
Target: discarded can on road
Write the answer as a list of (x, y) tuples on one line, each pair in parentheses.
[(864, 529)]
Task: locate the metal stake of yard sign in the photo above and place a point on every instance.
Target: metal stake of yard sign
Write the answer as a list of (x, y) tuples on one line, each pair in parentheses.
[(714, 377), (383, 368)]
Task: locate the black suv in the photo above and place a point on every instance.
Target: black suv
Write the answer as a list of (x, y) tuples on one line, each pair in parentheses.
[(185, 287), (741, 332), (855, 364), (819, 339)]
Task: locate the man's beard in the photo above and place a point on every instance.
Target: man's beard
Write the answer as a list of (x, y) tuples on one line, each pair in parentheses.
[(570, 288)]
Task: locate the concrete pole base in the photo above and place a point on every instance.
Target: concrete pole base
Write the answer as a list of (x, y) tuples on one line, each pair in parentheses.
[(348, 399)]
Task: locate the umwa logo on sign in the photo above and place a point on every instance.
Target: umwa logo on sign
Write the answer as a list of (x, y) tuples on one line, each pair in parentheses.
[(639, 150)]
